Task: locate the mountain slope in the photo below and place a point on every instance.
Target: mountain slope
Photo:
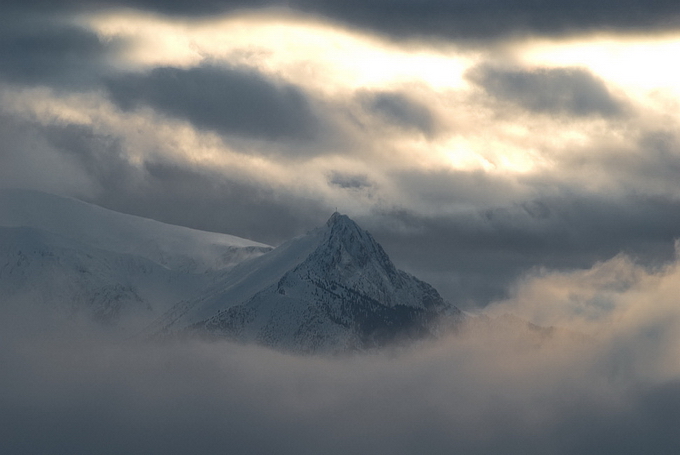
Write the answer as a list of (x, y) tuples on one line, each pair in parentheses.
[(333, 289), (175, 247), (40, 271), (60, 254), (344, 294), (238, 284)]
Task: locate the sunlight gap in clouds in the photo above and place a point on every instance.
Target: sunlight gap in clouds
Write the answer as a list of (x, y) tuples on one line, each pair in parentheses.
[(640, 65), (469, 128), (327, 57)]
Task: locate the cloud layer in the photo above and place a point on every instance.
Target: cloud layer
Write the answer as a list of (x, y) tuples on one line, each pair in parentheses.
[(604, 379), (227, 100)]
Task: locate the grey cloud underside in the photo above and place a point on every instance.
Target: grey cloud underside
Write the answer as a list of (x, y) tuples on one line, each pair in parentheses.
[(97, 168), (400, 110), (459, 19), (474, 256), (350, 181), (494, 19), (203, 199), (572, 91), (466, 19), (34, 52), (228, 100)]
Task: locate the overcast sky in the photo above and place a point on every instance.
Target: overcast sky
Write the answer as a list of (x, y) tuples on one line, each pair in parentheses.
[(522, 156), (475, 139)]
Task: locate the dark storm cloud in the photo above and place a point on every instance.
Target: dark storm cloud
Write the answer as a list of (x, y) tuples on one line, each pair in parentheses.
[(228, 100), (29, 160), (399, 110), (473, 256), (474, 19), (178, 7), (465, 19), (34, 52), (201, 198), (573, 91), (64, 158)]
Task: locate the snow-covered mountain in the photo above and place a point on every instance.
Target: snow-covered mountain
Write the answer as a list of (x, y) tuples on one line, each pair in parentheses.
[(64, 254), (174, 247), (334, 289)]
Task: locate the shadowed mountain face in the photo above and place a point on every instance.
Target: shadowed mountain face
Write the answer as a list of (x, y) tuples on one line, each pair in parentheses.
[(344, 295)]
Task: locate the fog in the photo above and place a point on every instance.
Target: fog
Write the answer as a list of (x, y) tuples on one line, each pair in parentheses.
[(602, 376)]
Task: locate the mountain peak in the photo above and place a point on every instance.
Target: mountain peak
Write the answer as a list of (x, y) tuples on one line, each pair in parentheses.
[(341, 292), (338, 218), (343, 228)]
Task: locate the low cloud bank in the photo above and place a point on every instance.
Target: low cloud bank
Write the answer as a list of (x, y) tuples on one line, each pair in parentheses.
[(605, 379)]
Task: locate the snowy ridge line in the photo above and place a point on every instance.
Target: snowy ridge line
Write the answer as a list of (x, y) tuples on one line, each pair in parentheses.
[(171, 246), (341, 294), (62, 254), (333, 289)]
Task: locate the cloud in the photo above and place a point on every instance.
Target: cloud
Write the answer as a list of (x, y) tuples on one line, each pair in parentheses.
[(557, 196), (495, 386), (31, 161), (495, 19), (228, 100), (473, 254), (632, 306), (205, 199), (573, 91), (456, 19), (35, 51), (98, 165), (400, 110), (349, 181), (463, 19)]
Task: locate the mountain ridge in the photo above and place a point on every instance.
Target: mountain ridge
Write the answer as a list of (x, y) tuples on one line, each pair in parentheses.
[(62, 253), (333, 289), (346, 294), (168, 245)]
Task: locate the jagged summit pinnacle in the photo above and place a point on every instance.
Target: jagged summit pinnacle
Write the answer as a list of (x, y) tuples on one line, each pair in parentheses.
[(348, 244), (342, 226), (337, 218)]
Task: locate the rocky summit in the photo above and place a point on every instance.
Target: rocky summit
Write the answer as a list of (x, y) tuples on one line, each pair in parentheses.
[(342, 294)]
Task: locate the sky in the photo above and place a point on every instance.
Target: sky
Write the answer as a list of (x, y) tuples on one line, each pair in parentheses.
[(521, 156), (476, 140)]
